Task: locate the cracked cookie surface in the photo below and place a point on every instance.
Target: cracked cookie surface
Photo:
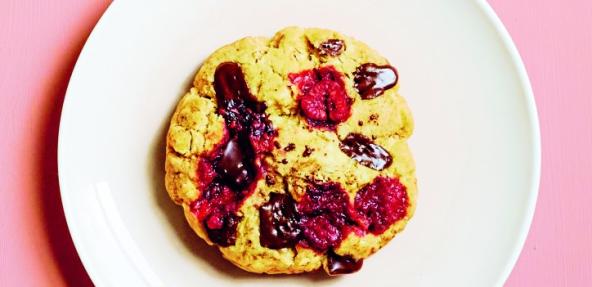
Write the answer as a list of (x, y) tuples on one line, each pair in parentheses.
[(289, 153)]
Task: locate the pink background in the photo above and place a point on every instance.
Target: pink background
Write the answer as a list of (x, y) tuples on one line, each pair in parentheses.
[(39, 44)]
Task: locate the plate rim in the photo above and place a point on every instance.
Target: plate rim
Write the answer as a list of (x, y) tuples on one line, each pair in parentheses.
[(525, 84)]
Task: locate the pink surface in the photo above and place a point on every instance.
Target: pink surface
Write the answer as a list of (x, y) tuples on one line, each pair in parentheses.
[(39, 44)]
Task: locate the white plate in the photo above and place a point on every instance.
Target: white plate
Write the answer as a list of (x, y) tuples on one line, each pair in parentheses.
[(476, 142)]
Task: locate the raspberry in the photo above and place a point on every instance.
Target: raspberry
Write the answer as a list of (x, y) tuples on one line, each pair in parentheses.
[(325, 215), (381, 203), (314, 107), (338, 104), (323, 99), (320, 233), (304, 80), (206, 173), (215, 222)]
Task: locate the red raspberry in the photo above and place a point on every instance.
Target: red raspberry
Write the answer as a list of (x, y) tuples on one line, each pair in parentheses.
[(381, 203), (338, 105), (323, 99), (314, 107), (205, 173)]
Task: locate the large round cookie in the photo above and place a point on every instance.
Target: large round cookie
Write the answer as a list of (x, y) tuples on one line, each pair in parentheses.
[(289, 154)]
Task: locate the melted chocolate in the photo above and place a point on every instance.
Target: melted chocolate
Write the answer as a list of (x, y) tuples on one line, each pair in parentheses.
[(372, 80), (337, 265), (231, 87), (234, 166), (279, 222), (364, 151), (331, 47)]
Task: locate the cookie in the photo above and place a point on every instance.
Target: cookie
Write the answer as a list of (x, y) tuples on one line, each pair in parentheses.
[(289, 154)]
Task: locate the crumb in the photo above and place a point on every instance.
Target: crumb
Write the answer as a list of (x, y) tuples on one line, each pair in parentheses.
[(307, 151), (290, 147), (269, 180)]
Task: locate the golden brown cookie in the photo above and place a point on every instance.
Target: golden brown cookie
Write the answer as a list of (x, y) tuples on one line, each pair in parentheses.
[(289, 154)]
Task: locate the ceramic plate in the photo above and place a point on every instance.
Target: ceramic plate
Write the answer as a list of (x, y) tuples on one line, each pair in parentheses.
[(476, 142)]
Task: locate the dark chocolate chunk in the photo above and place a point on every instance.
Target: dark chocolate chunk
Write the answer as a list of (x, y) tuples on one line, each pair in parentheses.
[(366, 152), (337, 264), (234, 166), (331, 47), (278, 222), (372, 80)]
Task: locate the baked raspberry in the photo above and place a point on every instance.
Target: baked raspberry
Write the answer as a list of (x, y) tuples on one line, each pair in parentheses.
[(313, 107), (206, 173), (216, 207), (381, 203), (326, 215), (323, 99)]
